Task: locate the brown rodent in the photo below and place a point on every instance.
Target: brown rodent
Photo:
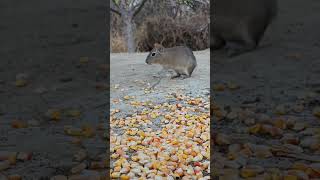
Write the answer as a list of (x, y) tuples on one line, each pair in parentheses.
[(239, 25), (179, 58)]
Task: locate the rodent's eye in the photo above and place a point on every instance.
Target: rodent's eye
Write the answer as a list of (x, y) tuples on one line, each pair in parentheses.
[(153, 54)]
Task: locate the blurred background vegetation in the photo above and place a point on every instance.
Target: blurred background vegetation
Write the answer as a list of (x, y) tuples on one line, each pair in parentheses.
[(137, 24)]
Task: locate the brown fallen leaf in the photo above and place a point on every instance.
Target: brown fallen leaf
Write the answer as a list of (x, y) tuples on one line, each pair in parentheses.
[(4, 165), (233, 86), (72, 131), (219, 87), (78, 168), (295, 56), (24, 156), (290, 177), (14, 177), (19, 124), (75, 113), (102, 86), (84, 60), (316, 112), (21, 83), (88, 131), (54, 114)]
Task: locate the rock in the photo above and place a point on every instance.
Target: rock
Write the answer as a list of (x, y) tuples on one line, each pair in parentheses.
[(41, 90), (281, 109), (24, 76)]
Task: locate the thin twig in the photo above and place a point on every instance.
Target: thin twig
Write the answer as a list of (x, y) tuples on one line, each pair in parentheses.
[(160, 78), (300, 156), (154, 85)]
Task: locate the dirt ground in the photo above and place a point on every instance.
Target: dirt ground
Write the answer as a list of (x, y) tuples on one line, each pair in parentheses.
[(60, 47), (130, 71), (280, 80)]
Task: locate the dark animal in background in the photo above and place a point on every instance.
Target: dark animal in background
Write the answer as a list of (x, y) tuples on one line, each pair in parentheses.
[(239, 25)]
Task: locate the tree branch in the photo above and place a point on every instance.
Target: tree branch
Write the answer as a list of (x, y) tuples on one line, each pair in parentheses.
[(138, 7), (114, 8), (132, 4)]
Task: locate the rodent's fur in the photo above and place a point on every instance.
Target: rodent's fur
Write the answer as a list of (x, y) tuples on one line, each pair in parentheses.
[(180, 59), (239, 25)]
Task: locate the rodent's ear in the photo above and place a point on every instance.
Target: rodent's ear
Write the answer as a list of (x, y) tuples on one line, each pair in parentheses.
[(158, 46)]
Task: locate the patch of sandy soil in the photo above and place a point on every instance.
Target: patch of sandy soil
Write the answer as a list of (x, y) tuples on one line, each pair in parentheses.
[(133, 75), (280, 80)]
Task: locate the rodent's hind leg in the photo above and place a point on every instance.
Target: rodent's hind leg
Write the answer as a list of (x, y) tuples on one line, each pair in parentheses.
[(184, 76), (176, 76), (245, 44), (236, 48), (216, 43)]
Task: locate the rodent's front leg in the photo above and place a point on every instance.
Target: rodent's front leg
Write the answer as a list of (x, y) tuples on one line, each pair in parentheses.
[(159, 74)]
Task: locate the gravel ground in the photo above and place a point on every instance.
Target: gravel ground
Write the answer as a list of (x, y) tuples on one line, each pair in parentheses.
[(267, 124), (52, 57)]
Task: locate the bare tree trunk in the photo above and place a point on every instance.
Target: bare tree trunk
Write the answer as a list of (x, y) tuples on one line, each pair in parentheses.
[(110, 46), (129, 34), (128, 10), (174, 6)]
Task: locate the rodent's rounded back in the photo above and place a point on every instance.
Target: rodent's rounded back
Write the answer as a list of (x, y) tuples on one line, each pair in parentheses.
[(170, 56), (245, 8), (234, 18)]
